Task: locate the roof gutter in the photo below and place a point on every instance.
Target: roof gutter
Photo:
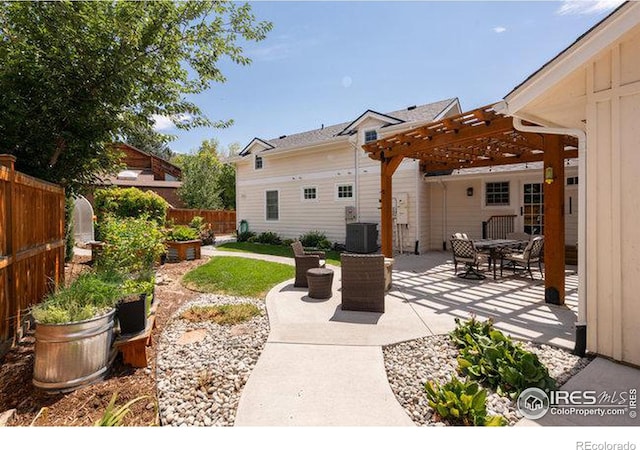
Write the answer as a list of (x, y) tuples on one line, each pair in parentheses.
[(581, 324)]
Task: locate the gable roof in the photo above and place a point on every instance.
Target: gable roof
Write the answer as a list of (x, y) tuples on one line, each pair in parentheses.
[(422, 113), (370, 114)]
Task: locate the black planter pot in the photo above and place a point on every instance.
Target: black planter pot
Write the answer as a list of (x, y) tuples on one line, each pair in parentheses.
[(132, 314)]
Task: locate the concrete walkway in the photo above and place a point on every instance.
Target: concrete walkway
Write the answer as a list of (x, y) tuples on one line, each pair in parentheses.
[(323, 366)]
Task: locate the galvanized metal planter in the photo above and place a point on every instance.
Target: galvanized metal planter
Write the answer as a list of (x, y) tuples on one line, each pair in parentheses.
[(183, 250), (74, 354)]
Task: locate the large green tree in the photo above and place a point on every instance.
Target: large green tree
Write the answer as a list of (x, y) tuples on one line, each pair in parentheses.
[(75, 76)]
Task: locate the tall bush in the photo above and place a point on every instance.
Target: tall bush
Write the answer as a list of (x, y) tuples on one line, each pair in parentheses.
[(129, 202)]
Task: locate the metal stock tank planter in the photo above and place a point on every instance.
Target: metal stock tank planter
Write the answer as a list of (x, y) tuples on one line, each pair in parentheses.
[(74, 354)]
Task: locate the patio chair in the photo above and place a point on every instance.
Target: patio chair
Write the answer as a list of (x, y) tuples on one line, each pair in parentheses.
[(532, 253), (305, 260), (465, 252), (459, 236), (362, 282), (524, 238)]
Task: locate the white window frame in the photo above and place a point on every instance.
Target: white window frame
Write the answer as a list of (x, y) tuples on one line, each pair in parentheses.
[(302, 196), (344, 199), (255, 160), (364, 135), (485, 205), (266, 209)]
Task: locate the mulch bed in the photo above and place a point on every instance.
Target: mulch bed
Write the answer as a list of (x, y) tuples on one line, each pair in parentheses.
[(84, 406)]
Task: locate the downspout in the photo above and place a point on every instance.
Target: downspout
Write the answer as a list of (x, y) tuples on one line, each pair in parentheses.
[(354, 143), (581, 324)]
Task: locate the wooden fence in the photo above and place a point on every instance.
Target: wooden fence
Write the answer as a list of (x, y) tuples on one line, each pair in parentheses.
[(222, 222), (31, 245)]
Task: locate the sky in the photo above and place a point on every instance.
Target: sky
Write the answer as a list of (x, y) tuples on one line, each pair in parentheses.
[(327, 62)]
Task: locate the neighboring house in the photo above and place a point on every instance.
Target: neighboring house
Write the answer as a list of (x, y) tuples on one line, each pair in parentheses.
[(148, 172), (592, 88), (321, 179)]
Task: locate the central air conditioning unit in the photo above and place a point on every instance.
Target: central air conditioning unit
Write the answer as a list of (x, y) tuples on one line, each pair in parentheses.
[(362, 237)]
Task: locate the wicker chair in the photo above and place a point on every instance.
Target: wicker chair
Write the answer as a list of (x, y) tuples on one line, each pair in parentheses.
[(532, 253), (362, 282), (305, 260), (465, 252)]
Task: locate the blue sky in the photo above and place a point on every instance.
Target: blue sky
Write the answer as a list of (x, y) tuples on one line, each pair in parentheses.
[(327, 62)]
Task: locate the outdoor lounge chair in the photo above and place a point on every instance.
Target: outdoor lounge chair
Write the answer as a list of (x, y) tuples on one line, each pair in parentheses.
[(532, 253), (465, 252), (362, 282), (305, 260)]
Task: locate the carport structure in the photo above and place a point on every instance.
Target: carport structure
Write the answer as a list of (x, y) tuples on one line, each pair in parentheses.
[(479, 138)]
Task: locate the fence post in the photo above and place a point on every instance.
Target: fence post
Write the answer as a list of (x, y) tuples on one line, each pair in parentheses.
[(9, 161)]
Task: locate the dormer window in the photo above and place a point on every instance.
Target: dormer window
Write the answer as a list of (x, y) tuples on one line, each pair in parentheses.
[(258, 162), (370, 136)]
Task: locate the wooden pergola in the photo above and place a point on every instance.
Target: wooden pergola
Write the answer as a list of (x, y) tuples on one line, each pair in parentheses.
[(480, 138)]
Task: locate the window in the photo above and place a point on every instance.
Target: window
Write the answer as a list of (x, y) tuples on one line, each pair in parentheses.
[(370, 135), (345, 191), (310, 193), (572, 180), (258, 162), (272, 206), (497, 194)]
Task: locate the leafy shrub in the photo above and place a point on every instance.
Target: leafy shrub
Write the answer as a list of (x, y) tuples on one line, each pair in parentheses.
[(205, 232), (269, 237), (182, 233), (131, 245), (287, 242), (252, 239), (129, 202), (315, 239), (461, 403), (243, 236), (88, 296), (494, 359), (197, 223)]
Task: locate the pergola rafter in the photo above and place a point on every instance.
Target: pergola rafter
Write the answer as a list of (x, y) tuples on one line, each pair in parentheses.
[(481, 138)]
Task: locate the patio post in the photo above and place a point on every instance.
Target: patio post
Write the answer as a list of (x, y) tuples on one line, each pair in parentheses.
[(388, 167), (554, 261)]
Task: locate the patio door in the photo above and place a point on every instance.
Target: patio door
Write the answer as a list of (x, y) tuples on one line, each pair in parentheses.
[(533, 208)]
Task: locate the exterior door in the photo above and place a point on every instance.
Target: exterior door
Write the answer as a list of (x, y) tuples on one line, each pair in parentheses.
[(533, 208)]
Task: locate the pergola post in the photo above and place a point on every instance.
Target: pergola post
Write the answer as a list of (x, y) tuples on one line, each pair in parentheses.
[(554, 261), (388, 167)]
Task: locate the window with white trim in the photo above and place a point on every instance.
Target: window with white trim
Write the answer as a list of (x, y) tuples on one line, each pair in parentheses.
[(344, 191), (370, 135), (497, 194), (272, 205), (258, 162), (310, 193)]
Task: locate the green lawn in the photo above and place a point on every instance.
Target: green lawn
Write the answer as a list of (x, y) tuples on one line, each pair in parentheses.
[(237, 276), (276, 250)]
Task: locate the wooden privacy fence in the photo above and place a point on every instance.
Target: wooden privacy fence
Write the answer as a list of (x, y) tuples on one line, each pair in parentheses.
[(31, 245), (222, 222)]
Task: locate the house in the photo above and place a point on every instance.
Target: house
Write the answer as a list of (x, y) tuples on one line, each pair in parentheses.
[(321, 179)]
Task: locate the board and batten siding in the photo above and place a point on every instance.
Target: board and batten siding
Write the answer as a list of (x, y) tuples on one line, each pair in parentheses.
[(613, 200)]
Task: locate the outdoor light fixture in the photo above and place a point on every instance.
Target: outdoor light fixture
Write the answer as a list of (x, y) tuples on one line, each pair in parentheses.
[(469, 192), (548, 175)]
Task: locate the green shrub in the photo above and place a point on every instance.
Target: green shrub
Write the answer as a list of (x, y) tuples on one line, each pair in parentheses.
[(88, 296), (129, 202), (461, 403), (269, 237), (315, 239), (206, 234), (287, 242), (131, 245), (182, 233), (197, 223), (244, 236), (494, 359), (252, 239)]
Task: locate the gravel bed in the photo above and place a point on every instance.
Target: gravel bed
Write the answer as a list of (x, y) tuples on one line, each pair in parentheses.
[(202, 367), (411, 364)]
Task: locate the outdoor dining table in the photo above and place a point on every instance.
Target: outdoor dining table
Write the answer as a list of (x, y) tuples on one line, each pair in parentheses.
[(494, 246)]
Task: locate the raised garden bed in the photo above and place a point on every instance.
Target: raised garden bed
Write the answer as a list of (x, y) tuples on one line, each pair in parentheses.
[(183, 250)]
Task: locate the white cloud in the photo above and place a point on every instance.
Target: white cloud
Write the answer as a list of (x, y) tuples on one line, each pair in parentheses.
[(165, 123), (587, 6), (272, 52), (499, 29)]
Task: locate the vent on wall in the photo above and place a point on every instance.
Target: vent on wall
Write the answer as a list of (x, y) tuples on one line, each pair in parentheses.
[(411, 107)]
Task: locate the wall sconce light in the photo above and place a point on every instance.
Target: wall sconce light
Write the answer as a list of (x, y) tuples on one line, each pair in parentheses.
[(469, 192), (548, 175)]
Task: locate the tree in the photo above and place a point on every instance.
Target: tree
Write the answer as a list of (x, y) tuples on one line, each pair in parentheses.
[(150, 141), (75, 76)]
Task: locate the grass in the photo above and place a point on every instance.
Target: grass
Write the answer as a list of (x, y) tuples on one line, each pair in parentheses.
[(237, 276), (221, 314), (333, 257)]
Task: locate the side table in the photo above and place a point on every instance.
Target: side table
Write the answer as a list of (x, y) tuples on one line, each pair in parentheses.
[(320, 281)]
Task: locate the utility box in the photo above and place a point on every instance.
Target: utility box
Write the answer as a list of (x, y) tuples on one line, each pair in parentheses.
[(362, 237), (402, 208), (350, 214)]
